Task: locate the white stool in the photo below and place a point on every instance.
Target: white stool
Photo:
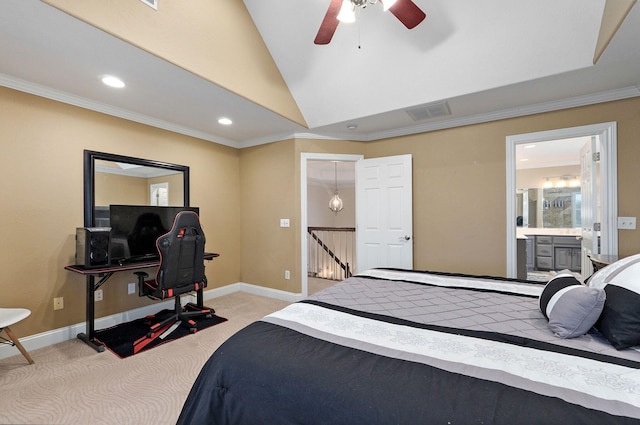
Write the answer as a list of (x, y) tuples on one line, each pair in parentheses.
[(9, 316)]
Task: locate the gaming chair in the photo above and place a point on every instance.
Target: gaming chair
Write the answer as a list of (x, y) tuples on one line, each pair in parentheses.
[(181, 271)]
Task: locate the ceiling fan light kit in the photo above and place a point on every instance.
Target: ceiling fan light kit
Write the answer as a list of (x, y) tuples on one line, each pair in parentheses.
[(406, 11), (348, 9), (347, 12)]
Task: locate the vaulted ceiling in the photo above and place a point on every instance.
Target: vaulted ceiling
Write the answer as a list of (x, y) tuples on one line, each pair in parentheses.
[(479, 57), (468, 61)]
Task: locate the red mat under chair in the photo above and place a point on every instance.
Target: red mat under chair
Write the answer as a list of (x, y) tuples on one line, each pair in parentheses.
[(127, 339)]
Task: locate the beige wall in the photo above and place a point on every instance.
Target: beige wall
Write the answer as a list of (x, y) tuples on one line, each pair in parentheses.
[(117, 189), (459, 197), (42, 144), (459, 184), (268, 186)]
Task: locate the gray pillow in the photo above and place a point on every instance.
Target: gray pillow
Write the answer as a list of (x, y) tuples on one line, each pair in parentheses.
[(571, 307)]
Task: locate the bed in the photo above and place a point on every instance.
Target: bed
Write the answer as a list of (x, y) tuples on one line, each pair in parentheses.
[(392, 346)]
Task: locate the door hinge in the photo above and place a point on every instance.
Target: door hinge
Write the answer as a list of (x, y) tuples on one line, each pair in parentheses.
[(596, 157), (596, 227)]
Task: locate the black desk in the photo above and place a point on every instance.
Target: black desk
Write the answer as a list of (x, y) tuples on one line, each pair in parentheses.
[(104, 273)]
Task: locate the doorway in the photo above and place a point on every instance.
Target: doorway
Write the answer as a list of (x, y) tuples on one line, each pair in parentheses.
[(606, 190), (305, 160)]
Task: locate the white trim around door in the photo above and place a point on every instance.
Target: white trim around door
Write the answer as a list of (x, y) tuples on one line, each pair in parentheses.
[(304, 157), (608, 183)]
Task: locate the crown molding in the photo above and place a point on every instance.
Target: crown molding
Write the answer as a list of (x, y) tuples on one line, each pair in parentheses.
[(295, 135), (572, 102), (538, 108), (82, 102)]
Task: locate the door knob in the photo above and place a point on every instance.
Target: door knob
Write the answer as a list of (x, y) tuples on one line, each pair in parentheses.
[(406, 238)]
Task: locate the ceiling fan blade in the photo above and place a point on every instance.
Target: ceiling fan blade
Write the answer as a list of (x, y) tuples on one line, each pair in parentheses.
[(408, 13), (329, 23)]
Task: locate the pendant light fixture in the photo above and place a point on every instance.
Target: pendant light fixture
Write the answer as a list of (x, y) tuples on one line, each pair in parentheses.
[(335, 204)]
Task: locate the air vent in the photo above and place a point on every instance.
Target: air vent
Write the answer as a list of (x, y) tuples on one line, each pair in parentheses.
[(434, 110), (152, 3)]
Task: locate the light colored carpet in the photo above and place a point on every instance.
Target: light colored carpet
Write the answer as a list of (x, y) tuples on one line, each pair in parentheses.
[(70, 383)]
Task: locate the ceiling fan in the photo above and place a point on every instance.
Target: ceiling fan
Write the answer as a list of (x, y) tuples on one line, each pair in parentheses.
[(406, 11)]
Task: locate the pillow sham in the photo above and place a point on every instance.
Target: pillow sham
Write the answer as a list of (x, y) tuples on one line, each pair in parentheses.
[(620, 318), (571, 307)]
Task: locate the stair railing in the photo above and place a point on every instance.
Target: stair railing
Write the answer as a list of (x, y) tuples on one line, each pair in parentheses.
[(331, 252)]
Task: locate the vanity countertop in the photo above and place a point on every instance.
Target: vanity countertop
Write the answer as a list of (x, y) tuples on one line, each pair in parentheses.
[(547, 232)]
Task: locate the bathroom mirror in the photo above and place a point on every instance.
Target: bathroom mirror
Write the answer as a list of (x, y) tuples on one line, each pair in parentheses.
[(552, 208)]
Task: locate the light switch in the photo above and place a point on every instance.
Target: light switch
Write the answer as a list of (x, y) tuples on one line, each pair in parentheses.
[(628, 223), (284, 222)]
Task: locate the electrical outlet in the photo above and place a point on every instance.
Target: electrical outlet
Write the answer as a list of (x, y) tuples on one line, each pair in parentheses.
[(628, 223), (287, 274), (98, 295), (284, 222), (58, 303), (131, 288)]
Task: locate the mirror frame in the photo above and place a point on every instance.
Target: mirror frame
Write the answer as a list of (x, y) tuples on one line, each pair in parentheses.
[(90, 158)]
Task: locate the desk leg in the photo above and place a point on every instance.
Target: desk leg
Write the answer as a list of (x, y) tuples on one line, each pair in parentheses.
[(88, 337)]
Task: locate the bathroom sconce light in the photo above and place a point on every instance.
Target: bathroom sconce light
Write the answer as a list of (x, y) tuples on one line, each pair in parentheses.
[(561, 181)]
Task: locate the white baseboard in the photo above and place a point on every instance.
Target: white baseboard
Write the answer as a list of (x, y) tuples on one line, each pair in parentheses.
[(250, 289), (55, 336)]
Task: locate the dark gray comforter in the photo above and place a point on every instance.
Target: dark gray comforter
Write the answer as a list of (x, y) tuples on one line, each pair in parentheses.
[(404, 347)]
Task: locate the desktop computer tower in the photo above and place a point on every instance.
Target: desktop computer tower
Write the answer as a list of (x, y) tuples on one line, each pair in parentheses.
[(92, 246)]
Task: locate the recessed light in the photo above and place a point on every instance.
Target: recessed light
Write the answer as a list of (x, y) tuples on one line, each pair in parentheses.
[(352, 126), (112, 81), (225, 121)]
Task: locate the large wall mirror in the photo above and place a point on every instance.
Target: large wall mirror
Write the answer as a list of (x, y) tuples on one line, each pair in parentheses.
[(549, 208), (116, 179)]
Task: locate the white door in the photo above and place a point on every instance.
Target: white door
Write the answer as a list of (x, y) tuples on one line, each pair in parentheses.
[(384, 226), (589, 212), (604, 186), (159, 194)]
